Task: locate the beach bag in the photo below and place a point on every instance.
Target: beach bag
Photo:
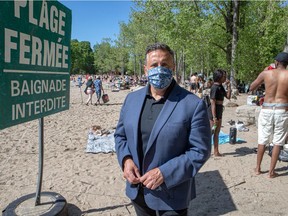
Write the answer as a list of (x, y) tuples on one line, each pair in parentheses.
[(105, 98)]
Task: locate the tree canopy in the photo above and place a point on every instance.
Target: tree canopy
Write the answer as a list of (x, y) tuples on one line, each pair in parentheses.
[(241, 37)]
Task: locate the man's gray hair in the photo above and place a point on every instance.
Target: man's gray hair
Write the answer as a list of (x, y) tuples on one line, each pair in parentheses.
[(158, 46)]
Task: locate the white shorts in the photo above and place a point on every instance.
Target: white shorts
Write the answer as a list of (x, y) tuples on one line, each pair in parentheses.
[(90, 91), (272, 126)]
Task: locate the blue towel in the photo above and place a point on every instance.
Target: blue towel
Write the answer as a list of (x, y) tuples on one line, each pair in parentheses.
[(97, 143), (224, 138)]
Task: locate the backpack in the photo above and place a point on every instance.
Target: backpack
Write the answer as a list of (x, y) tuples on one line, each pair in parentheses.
[(283, 156)]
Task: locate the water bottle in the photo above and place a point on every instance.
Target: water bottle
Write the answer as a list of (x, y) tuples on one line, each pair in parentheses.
[(232, 135)]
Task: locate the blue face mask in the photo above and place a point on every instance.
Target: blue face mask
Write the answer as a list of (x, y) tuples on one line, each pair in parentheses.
[(160, 77)]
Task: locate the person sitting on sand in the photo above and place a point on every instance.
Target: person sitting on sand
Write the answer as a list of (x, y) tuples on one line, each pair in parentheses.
[(273, 117)]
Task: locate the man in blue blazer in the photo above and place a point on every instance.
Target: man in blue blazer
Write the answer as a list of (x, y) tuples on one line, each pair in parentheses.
[(162, 139)]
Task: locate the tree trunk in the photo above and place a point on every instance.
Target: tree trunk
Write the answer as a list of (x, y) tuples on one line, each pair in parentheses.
[(229, 29), (286, 45), (179, 65), (140, 65), (123, 67), (234, 42), (183, 73), (134, 64), (175, 60)]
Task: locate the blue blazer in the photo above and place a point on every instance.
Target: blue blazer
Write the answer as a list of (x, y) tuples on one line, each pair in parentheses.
[(179, 145)]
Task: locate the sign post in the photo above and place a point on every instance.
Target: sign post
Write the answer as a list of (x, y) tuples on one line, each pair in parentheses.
[(34, 67), (40, 163)]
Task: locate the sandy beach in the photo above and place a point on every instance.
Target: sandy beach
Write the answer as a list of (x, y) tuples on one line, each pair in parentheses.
[(92, 184)]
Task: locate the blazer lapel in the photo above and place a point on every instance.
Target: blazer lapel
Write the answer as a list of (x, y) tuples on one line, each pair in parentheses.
[(164, 115)]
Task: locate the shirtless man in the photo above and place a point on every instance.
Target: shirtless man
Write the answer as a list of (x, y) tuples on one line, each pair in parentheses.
[(193, 83), (273, 117)]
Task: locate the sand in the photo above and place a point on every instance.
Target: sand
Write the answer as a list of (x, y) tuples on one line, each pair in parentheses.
[(93, 184)]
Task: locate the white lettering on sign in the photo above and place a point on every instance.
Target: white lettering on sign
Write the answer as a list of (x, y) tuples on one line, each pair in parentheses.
[(34, 51), (24, 87), (51, 18), (35, 47), (27, 109), (9, 34)]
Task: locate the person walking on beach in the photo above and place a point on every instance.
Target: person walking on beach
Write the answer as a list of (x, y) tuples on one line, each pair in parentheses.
[(79, 80), (273, 117), (98, 89), (89, 90), (217, 94), (162, 139)]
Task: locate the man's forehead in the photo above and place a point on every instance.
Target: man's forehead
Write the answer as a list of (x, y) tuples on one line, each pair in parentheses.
[(159, 53)]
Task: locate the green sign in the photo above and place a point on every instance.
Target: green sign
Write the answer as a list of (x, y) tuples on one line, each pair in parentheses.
[(34, 60)]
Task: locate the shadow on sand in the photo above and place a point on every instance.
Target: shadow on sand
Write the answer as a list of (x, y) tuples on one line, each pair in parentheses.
[(212, 197), (242, 151), (75, 211)]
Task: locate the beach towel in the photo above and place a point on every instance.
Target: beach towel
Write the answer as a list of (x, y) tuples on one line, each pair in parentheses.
[(100, 143), (224, 138)]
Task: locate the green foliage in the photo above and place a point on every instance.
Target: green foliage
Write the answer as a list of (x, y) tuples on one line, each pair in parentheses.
[(261, 38), (81, 57), (104, 56), (200, 33)]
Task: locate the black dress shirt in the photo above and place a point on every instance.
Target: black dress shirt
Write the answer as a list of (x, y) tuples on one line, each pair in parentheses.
[(149, 114)]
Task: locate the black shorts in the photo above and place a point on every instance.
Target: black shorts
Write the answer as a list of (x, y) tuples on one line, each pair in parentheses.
[(219, 111)]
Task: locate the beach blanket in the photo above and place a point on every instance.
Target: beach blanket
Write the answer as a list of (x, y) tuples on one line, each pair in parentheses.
[(100, 143), (224, 138), (105, 143)]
